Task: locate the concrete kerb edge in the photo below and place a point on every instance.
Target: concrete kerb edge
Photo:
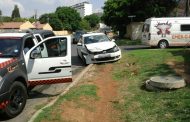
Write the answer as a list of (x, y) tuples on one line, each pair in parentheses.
[(64, 92)]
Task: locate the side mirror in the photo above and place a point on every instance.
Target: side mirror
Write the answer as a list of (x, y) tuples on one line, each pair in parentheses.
[(79, 44), (113, 40), (35, 54)]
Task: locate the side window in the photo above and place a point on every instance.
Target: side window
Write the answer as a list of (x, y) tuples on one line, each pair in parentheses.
[(38, 38), (185, 27), (48, 35), (146, 28), (56, 47), (28, 44)]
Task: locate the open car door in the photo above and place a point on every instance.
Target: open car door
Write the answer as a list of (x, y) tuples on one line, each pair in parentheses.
[(49, 62)]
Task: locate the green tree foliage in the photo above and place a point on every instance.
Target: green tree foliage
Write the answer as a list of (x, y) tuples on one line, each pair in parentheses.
[(32, 19), (93, 19), (0, 12), (19, 19), (15, 12), (69, 17), (6, 19), (116, 12), (84, 25), (44, 18), (53, 20)]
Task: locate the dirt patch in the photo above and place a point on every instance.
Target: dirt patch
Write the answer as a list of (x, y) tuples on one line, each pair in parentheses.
[(91, 110)]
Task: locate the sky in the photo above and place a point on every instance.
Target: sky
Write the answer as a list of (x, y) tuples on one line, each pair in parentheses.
[(27, 8)]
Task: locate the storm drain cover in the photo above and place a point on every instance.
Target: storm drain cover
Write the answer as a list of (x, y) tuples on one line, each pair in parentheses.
[(166, 82)]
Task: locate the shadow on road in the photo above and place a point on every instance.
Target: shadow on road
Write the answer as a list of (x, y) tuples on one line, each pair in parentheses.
[(37, 94), (76, 61)]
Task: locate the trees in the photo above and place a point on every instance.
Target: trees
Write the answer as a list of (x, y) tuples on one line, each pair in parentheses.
[(69, 17), (93, 20), (84, 25), (15, 12), (116, 12), (53, 20), (187, 8)]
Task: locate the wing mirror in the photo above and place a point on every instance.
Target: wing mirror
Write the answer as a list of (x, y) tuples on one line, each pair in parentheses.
[(35, 54), (113, 40), (79, 44)]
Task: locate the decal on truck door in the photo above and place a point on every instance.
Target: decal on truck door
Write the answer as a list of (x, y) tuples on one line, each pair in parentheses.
[(163, 28)]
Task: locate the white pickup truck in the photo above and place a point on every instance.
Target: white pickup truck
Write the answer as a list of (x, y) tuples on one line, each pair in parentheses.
[(44, 62)]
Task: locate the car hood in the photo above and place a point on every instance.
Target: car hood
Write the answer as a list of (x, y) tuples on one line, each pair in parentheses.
[(98, 47)]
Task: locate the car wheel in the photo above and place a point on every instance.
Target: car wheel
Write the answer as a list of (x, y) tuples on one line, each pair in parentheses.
[(84, 60), (78, 54), (17, 100), (163, 44)]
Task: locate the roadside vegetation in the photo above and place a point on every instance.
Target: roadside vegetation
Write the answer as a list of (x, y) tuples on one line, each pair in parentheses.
[(125, 42), (54, 113), (139, 105), (132, 103)]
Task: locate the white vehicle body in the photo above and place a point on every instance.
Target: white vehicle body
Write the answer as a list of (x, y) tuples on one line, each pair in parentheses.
[(48, 69), (98, 52), (164, 32), (24, 64)]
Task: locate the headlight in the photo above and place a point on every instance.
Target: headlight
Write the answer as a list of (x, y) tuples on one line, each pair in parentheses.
[(114, 49)]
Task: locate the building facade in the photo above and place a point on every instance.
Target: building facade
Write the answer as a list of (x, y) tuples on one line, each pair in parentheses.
[(84, 8)]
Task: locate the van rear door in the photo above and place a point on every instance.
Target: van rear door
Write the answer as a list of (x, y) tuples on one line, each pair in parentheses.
[(49, 62)]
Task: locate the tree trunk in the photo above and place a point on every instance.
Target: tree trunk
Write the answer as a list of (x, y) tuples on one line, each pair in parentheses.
[(187, 8)]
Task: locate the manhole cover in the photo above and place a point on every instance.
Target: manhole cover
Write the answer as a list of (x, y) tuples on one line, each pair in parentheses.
[(167, 82)]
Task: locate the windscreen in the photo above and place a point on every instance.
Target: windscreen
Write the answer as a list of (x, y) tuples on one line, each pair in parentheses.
[(95, 39), (10, 47)]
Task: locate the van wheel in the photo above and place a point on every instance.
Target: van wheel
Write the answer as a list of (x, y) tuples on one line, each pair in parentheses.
[(17, 100), (163, 44)]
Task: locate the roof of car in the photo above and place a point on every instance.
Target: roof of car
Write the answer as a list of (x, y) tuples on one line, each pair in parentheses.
[(40, 31), (12, 34), (92, 34)]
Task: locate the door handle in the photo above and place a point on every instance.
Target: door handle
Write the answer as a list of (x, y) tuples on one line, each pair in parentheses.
[(64, 62)]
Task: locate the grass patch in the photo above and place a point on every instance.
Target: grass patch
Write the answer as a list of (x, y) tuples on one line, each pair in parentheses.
[(128, 42), (53, 113), (139, 105)]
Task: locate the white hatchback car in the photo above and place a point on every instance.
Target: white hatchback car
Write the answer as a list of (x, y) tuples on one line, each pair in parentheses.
[(97, 48)]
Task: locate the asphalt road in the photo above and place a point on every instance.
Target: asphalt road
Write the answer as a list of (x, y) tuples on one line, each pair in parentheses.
[(41, 95)]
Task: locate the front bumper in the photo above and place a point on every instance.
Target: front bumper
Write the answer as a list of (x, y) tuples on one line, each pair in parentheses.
[(108, 57), (4, 100)]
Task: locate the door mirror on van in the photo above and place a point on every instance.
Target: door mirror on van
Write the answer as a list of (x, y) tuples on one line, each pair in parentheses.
[(79, 44), (113, 40), (35, 54)]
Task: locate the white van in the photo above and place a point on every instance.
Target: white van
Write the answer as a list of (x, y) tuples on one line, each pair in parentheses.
[(165, 32)]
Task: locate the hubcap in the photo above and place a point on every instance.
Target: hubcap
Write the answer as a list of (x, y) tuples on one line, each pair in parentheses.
[(163, 45), (16, 100)]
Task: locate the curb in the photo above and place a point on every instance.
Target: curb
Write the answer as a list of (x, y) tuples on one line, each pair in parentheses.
[(63, 93)]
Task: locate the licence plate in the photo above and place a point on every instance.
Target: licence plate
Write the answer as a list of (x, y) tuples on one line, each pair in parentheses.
[(104, 55)]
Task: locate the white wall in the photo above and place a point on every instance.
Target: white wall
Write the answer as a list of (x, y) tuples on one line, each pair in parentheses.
[(87, 9)]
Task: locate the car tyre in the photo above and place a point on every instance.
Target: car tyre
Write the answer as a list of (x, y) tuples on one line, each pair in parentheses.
[(84, 60), (163, 44), (17, 100)]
